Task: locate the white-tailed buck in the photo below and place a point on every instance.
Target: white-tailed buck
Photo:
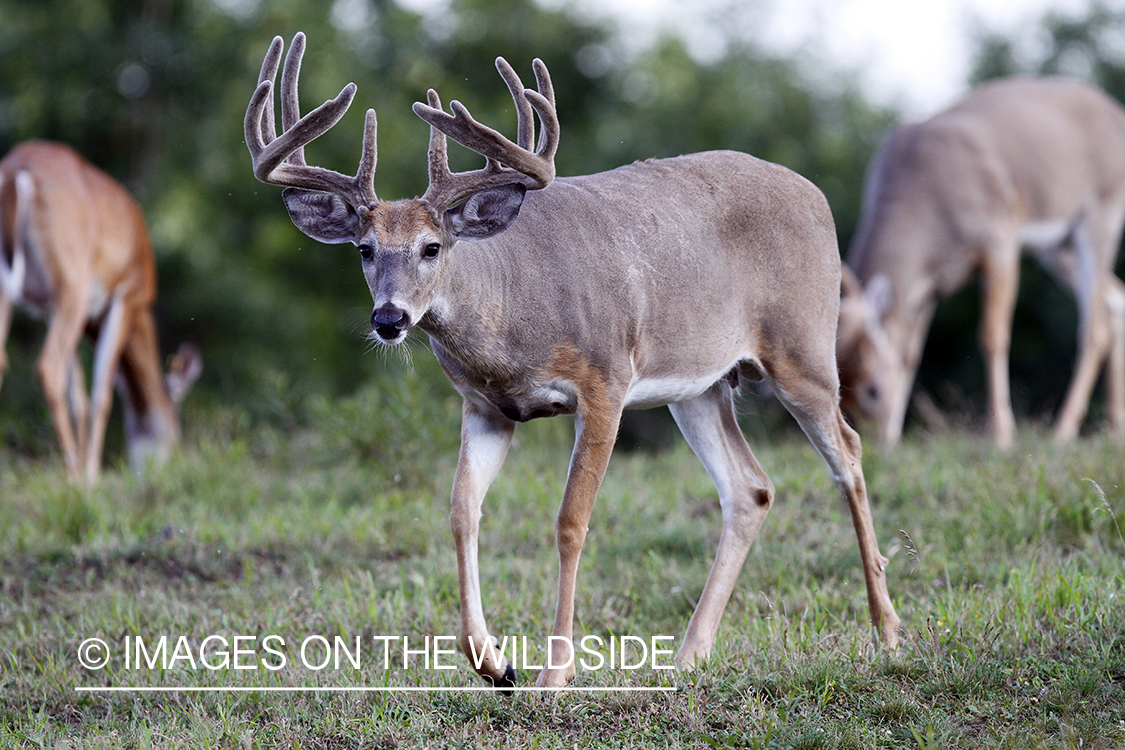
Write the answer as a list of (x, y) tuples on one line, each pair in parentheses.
[(663, 282), (73, 249), (1025, 163)]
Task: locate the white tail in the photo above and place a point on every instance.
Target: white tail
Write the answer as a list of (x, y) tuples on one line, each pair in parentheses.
[(1031, 163), (73, 249), (663, 282)]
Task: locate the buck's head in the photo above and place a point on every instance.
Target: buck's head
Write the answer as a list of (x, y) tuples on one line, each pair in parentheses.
[(403, 245), (873, 374)]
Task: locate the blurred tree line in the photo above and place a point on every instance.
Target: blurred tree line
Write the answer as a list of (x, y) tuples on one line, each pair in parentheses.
[(154, 92)]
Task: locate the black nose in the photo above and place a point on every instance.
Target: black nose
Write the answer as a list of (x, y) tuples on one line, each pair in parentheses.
[(389, 321)]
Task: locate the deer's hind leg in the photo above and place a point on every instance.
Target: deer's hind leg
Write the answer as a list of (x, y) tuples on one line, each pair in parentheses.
[(745, 495), (1000, 271), (1083, 263), (56, 368), (107, 353), (1115, 302), (5, 323), (815, 404)]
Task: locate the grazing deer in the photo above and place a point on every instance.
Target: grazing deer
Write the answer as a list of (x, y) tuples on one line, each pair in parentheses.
[(1037, 164), (663, 282), (73, 249)]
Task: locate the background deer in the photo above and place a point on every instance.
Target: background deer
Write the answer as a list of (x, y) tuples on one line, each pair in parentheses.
[(663, 282), (1037, 164), (73, 249)]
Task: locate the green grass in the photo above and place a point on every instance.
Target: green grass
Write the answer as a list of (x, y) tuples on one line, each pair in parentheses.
[(332, 519)]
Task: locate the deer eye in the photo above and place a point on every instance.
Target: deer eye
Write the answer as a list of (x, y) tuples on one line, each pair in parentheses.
[(366, 252), (431, 250)]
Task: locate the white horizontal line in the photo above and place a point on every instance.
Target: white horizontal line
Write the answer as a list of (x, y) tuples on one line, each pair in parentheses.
[(368, 689)]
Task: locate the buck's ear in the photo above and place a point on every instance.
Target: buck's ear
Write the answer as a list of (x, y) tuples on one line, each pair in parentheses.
[(487, 213), (326, 217)]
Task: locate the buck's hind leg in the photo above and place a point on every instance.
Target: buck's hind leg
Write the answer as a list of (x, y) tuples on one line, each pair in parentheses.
[(745, 494), (484, 444), (815, 404)]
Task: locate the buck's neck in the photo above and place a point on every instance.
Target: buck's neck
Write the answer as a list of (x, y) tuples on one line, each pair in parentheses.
[(494, 343), (474, 319)]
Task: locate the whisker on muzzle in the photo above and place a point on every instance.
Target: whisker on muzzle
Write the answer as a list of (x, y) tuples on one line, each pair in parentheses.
[(403, 349)]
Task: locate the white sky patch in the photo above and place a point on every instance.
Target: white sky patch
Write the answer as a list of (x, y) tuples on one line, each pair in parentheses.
[(912, 55), (917, 55)]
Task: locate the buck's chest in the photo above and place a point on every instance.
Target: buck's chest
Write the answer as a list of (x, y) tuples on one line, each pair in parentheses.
[(519, 388)]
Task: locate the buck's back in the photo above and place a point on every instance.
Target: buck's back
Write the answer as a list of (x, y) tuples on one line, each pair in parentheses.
[(687, 262)]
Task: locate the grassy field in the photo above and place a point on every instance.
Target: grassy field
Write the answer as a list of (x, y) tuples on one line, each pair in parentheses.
[(330, 519)]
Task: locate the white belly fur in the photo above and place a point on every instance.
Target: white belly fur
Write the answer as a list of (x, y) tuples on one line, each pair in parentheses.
[(1044, 236), (646, 393)]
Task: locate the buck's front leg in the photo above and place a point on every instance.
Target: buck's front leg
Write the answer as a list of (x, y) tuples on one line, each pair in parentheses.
[(595, 434), (484, 443)]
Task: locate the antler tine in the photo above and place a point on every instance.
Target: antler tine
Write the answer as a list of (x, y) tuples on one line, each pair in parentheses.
[(279, 160), (267, 127), (525, 124), (544, 102), (365, 175), (438, 151), (507, 162), (290, 108), (446, 188), (259, 127)]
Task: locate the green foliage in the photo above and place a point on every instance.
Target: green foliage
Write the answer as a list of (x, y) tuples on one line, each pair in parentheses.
[(669, 104), (1085, 46)]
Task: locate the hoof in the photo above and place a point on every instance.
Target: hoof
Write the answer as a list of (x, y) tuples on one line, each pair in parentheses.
[(504, 683)]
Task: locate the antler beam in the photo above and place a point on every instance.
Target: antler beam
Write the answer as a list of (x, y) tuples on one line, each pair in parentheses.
[(280, 160), (507, 162)]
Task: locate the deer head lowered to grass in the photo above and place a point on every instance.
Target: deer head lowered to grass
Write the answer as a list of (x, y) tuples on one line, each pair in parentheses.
[(1023, 163), (662, 282)]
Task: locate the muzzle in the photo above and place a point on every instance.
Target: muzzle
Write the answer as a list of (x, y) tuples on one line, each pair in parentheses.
[(389, 323)]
